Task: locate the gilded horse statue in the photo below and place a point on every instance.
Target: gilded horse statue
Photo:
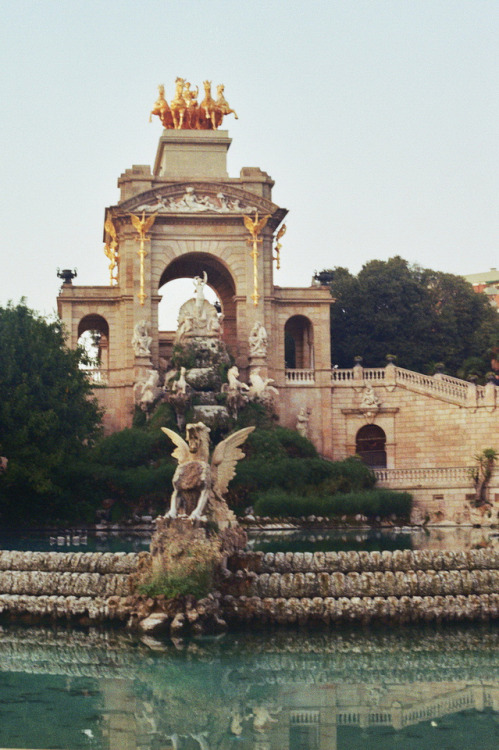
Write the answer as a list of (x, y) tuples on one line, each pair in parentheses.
[(161, 109), (223, 104), (183, 112), (178, 104), (209, 111)]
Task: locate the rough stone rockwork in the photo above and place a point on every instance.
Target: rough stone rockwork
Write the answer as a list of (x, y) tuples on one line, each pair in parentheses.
[(334, 587), (261, 589), (84, 586)]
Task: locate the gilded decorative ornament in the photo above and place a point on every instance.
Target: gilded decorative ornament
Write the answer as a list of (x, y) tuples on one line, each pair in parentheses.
[(278, 245), (111, 251), (184, 112), (254, 227), (142, 225)]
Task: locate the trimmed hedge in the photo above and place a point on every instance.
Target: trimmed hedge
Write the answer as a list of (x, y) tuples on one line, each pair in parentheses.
[(371, 503)]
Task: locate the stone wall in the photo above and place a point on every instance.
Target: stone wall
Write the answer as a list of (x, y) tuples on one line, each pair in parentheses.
[(324, 588), (337, 587), (428, 421), (86, 586)]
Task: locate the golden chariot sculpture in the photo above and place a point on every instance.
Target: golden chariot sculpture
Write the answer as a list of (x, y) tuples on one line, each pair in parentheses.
[(184, 113)]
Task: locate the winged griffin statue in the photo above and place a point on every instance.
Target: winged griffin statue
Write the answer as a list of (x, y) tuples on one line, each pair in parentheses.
[(197, 481)]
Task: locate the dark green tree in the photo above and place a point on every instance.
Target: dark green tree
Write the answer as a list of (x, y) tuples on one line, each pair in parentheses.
[(48, 416), (421, 316)]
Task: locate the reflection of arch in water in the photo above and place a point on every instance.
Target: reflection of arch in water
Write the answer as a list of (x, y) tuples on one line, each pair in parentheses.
[(99, 328), (220, 280), (298, 343), (370, 445)]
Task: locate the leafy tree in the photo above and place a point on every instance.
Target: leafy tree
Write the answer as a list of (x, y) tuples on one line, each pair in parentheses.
[(420, 315), (48, 416)]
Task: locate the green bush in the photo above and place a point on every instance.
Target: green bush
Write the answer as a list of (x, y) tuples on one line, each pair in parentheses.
[(127, 448), (258, 474), (198, 583), (370, 503), (295, 445)]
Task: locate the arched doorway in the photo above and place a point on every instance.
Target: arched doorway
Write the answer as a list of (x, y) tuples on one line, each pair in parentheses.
[(220, 280), (370, 445), (298, 343), (93, 335)]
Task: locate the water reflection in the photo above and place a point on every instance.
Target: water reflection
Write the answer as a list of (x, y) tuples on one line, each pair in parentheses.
[(283, 691), (440, 538)]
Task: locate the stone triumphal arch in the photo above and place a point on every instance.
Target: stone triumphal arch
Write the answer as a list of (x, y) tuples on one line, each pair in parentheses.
[(187, 218)]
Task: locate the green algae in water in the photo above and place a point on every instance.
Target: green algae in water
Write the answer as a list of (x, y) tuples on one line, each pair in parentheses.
[(286, 690)]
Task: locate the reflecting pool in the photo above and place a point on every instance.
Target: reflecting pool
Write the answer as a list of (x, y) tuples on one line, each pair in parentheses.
[(267, 540), (410, 689)]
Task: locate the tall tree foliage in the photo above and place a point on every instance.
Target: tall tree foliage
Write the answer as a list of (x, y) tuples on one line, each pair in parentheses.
[(47, 413), (420, 315)]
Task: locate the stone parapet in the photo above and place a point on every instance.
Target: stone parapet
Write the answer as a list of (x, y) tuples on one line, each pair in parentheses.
[(358, 562), (256, 611)]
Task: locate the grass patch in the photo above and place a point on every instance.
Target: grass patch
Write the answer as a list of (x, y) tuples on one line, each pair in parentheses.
[(196, 581)]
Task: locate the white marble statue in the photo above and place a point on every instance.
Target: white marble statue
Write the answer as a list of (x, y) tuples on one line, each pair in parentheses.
[(197, 317), (370, 403), (147, 389), (237, 391), (302, 422), (261, 388), (199, 285), (196, 479), (141, 341), (234, 384), (180, 385), (258, 341)]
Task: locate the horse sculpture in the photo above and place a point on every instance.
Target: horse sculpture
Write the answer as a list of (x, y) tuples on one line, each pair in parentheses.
[(223, 104), (161, 109), (210, 114), (178, 105), (185, 113)]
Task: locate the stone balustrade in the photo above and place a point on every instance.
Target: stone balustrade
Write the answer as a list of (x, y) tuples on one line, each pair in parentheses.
[(450, 476), (450, 389), (300, 377)]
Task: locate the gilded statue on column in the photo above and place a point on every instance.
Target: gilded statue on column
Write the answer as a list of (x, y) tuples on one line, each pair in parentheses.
[(185, 113)]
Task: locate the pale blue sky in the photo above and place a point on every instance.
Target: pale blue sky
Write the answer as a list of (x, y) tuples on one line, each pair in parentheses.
[(378, 120)]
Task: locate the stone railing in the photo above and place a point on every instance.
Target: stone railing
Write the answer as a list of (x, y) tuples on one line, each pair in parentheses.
[(300, 377), (451, 389), (444, 477), (442, 386)]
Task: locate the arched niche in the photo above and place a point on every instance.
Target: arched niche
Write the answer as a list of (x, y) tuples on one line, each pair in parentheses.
[(219, 279), (370, 445), (298, 343), (93, 334)]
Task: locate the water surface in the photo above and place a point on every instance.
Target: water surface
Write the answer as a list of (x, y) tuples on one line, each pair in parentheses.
[(411, 688)]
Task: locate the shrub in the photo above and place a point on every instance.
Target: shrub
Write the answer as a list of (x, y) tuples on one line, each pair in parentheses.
[(295, 445), (127, 448), (371, 503)]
